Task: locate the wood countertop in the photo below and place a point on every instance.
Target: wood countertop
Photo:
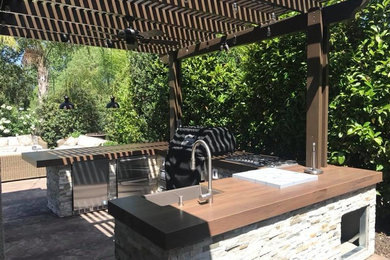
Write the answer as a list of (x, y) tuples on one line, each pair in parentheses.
[(241, 203), (68, 156)]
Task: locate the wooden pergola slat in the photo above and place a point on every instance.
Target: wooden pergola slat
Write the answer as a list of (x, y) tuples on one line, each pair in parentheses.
[(187, 22)]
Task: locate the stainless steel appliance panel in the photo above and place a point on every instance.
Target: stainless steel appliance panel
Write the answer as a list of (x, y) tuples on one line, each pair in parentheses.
[(90, 180), (137, 175)]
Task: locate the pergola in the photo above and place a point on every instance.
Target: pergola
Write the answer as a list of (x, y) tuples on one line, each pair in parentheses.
[(190, 28)]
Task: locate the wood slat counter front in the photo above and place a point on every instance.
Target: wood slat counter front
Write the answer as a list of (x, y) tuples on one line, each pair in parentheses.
[(68, 156), (241, 203)]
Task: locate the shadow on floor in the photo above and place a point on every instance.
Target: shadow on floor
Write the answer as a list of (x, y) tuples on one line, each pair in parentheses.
[(32, 232)]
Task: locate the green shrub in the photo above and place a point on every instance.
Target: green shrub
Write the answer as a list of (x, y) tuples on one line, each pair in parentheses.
[(359, 111), (123, 125), (56, 123), (14, 121), (110, 143)]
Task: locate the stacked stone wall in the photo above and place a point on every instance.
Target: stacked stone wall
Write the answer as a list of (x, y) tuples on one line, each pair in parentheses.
[(59, 190)]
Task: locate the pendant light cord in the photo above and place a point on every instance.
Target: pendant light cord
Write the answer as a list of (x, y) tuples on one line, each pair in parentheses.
[(113, 87)]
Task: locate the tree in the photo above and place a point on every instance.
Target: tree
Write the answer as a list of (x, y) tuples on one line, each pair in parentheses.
[(36, 54), (16, 82)]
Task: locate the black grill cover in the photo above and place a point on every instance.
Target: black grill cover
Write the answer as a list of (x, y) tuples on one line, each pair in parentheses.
[(177, 162)]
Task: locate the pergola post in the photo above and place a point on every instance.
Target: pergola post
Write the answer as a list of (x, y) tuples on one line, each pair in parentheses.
[(175, 96), (317, 89)]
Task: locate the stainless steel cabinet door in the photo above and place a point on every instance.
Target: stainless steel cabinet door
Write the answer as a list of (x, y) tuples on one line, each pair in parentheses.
[(90, 180)]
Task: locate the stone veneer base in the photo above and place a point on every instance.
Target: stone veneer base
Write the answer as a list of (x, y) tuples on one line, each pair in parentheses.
[(312, 232), (59, 190)]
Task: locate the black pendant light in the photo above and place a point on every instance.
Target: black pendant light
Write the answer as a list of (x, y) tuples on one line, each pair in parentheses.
[(113, 103), (66, 104)]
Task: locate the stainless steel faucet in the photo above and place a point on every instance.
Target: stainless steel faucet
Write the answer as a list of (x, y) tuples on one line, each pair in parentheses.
[(209, 195), (313, 169)]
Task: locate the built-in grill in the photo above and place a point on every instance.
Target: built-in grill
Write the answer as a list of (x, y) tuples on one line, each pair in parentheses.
[(257, 160), (177, 162)]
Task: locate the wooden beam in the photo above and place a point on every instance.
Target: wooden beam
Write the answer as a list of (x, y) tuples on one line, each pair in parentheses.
[(175, 96), (331, 14), (255, 34), (298, 5), (325, 95), (316, 123)]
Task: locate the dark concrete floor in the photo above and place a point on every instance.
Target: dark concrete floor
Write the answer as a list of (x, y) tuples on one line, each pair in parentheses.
[(32, 232)]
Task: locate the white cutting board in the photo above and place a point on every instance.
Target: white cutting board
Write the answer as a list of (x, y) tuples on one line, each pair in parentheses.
[(275, 177)]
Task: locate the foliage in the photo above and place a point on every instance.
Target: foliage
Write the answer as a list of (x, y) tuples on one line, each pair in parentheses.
[(56, 123), (148, 92), (16, 82), (123, 125), (16, 121), (359, 116), (209, 83), (256, 91), (274, 114), (75, 134), (126, 124), (110, 143)]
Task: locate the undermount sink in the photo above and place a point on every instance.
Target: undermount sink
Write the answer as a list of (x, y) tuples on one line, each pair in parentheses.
[(172, 196)]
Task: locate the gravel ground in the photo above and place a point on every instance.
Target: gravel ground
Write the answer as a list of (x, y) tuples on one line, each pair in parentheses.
[(382, 244)]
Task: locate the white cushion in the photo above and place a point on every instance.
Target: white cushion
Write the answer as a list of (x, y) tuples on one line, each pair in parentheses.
[(13, 141), (23, 149), (62, 147), (3, 141), (60, 142), (25, 140), (70, 141), (87, 141), (7, 149)]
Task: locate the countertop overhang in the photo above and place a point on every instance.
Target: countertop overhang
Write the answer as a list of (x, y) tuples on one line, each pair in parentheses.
[(242, 203), (61, 157)]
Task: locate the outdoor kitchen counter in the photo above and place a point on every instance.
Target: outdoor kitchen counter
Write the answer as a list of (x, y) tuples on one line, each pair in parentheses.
[(241, 203), (68, 156), (84, 179)]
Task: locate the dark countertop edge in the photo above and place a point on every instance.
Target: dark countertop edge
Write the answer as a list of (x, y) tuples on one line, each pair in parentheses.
[(219, 161), (29, 156), (29, 159), (178, 237)]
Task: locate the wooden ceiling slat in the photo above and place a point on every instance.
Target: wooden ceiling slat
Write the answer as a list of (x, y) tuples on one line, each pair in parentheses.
[(95, 20), (128, 10), (214, 9), (43, 29), (92, 22), (140, 12), (14, 30)]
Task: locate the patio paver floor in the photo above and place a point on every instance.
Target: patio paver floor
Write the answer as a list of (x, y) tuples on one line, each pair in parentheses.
[(32, 232)]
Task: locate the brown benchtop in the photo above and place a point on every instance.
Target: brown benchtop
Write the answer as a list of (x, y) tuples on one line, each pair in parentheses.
[(68, 156), (241, 203)]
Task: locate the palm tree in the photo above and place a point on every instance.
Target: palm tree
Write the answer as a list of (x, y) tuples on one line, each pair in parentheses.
[(36, 54)]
